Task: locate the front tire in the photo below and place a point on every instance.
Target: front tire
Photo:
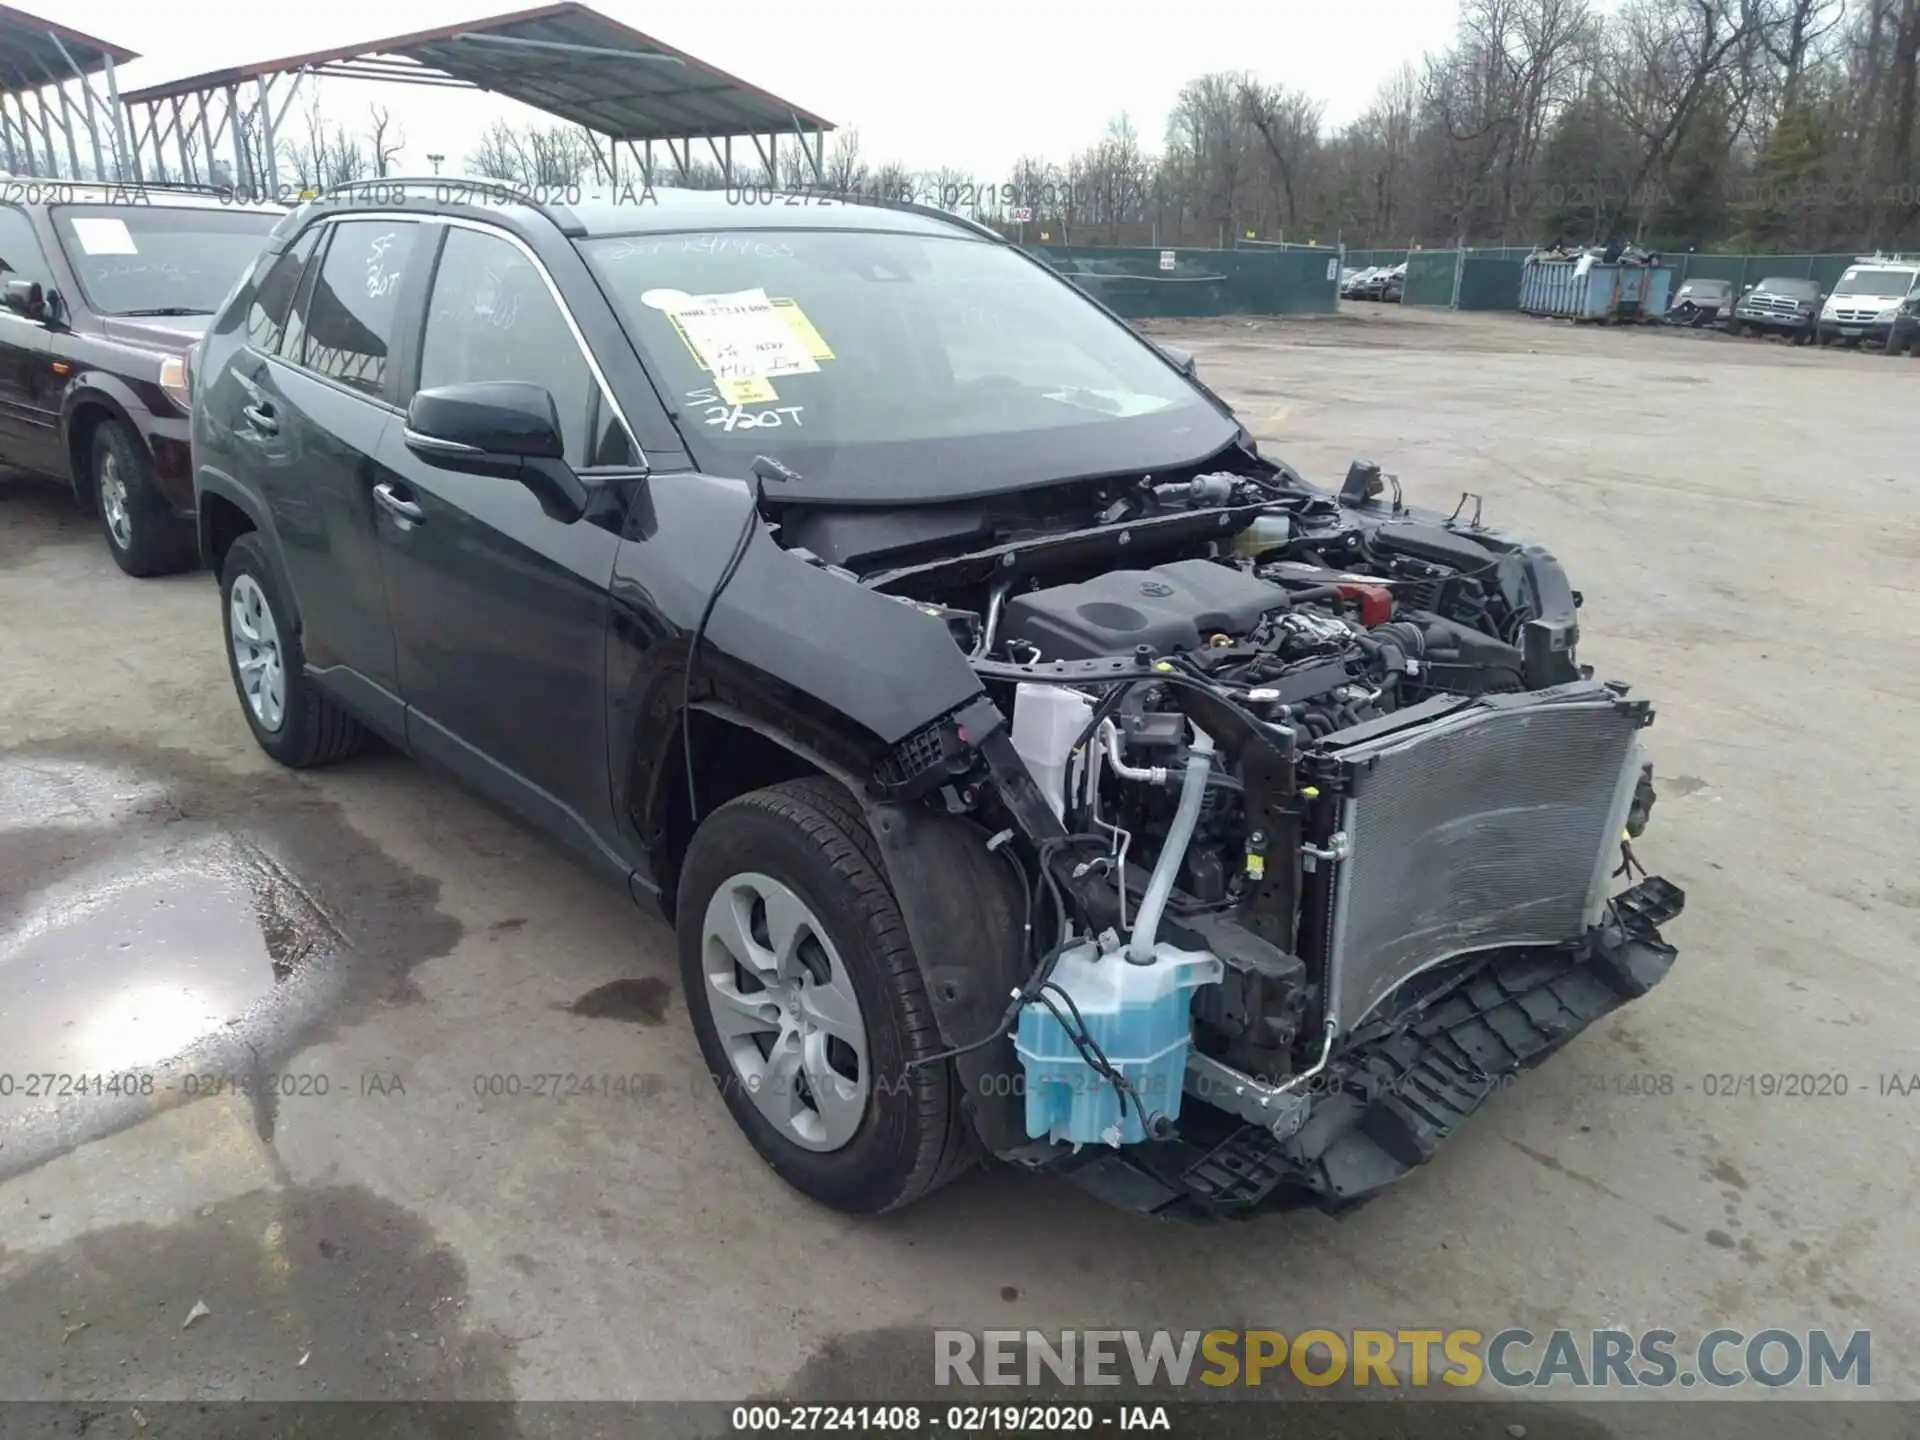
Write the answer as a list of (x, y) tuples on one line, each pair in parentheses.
[(808, 1002), (143, 534), (290, 718)]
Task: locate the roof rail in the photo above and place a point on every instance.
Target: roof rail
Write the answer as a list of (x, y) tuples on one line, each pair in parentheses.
[(934, 212)]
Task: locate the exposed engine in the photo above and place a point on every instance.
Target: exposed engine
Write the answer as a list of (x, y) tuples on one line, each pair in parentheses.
[(1287, 778)]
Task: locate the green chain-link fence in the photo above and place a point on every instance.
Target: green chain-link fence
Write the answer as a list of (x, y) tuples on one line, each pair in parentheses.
[(1144, 283)]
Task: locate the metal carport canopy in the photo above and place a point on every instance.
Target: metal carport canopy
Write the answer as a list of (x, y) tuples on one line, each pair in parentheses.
[(51, 66), (36, 52), (567, 60)]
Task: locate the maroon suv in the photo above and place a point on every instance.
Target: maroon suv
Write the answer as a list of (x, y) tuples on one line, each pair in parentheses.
[(103, 291)]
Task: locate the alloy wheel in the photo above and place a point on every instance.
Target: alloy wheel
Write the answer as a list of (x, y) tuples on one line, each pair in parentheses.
[(113, 501), (256, 652), (785, 1009)]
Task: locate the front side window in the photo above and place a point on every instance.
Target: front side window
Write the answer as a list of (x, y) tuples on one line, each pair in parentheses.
[(20, 257), (348, 313), (492, 317), (887, 365), (159, 260), (273, 297)]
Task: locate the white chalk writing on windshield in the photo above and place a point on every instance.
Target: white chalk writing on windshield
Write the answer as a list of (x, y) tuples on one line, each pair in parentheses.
[(715, 411)]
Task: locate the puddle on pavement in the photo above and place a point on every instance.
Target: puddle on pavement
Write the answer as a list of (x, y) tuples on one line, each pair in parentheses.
[(162, 919), (139, 969)]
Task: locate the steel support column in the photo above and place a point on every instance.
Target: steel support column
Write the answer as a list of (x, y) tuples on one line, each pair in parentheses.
[(179, 128), (242, 168), (121, 157), (264, 85), (48, 129), (86, 96), (26, 133), (206, 135)]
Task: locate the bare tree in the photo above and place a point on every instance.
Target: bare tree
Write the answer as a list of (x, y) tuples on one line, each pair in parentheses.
[(385, 140)]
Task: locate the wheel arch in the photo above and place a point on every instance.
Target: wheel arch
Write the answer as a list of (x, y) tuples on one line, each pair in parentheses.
[(223, 512), (735, 750), (85, 409), (958, 900)]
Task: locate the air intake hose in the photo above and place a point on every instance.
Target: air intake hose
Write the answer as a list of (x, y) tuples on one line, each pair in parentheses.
[(1193, 794)]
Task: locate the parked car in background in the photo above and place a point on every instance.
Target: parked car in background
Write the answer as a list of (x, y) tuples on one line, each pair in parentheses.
[(1700, 303), (1394, 284), (1866, 300), (1782, 305), (106, 288), (1352, 281), (1373, 284)]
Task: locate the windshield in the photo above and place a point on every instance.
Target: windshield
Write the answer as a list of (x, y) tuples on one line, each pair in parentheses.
[(1874, 282), (1707, 289), (1803, 289), (151, 260), (889, 366)]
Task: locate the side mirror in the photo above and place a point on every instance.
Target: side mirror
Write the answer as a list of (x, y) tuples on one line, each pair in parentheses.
[(25, 297), (1183, 360), (505, 428)]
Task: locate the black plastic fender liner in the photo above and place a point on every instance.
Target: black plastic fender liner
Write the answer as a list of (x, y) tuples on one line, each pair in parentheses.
[(962, 910), (963, 915)]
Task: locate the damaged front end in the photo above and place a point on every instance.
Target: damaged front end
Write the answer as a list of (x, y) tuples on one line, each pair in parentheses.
[(1287, 827)]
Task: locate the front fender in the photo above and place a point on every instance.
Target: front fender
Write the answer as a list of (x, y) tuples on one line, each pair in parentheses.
[(841, 669), (94, 389)]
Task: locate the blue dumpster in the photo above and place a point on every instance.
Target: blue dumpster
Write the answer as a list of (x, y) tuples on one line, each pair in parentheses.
[(1561, 288)]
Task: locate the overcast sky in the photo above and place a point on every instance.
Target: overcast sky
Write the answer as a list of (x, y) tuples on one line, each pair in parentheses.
[(970, 83)]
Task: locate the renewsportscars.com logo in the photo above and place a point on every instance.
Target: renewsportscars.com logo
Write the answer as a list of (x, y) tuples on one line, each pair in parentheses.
[(1392, 1359)]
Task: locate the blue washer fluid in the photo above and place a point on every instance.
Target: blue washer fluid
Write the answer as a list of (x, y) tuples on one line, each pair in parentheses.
[(1141, 1018)]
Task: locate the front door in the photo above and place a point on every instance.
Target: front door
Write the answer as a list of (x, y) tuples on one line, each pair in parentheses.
[(29, 424), (500, 612)]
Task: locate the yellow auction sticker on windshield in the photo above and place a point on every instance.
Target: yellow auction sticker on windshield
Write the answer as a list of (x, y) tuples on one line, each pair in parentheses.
[(740, 336), (801, 326), (755, 391)]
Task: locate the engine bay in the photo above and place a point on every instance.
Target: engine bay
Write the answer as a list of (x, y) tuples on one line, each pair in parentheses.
[(1282, 771)]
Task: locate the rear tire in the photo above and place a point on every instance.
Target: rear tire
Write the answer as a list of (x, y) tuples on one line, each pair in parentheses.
[(294, 723), (809, 839), (143, 534)]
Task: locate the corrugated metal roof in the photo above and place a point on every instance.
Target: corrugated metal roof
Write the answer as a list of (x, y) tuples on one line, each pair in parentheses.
[(567, 60), (36, 53)]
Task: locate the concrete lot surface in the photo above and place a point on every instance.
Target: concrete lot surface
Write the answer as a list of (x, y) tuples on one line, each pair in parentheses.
[(1744, 522)]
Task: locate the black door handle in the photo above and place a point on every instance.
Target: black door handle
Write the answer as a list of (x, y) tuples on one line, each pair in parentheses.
[(260, 417), (401, 509)]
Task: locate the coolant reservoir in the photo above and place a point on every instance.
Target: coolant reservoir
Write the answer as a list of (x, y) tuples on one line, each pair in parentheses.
[(1266, 533), (1140, 1016), (1047, 719)]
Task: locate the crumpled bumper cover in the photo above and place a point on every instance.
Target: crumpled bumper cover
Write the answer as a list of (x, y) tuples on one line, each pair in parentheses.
[(1396, 1099)]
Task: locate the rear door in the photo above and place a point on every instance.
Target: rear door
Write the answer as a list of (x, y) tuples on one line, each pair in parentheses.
[(318, 407), (29, 425), (500, 612)]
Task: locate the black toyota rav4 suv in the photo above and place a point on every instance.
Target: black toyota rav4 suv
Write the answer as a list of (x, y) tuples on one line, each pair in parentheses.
[(1026, 763), (103, 290)]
